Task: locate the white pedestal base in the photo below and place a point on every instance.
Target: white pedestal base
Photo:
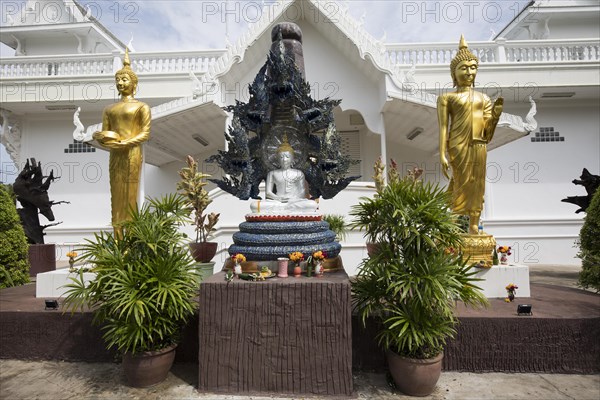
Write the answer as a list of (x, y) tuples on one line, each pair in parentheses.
[(496, 278), (51, 284)]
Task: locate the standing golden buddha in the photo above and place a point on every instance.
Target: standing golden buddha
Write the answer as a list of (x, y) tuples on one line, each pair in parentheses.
[(125, 127), (467, 120)]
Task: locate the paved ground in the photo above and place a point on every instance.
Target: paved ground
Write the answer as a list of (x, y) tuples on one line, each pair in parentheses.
[(62, 380), (21, 380)]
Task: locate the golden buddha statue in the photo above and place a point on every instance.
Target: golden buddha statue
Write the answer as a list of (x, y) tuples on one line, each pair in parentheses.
[(467, 120), (125, 126)]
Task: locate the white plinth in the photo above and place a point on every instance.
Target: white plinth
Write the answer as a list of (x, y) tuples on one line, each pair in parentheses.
[(496, 278), (51, 284)]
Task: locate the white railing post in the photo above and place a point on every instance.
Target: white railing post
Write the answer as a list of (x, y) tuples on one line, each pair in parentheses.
[(117, 63), (500, 50)]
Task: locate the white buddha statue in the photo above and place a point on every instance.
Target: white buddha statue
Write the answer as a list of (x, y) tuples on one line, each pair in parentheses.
[(286, 188)]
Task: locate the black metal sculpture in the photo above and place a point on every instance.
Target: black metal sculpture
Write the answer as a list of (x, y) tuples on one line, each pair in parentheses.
[(590, 183), (280, 105), (32, 192)]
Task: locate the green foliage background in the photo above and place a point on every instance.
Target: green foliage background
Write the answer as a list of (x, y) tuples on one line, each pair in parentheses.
[(589, 238), (14, 258), (337, 224)]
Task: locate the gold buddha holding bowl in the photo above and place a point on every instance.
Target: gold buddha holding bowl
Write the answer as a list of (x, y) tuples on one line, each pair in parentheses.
[(125, 127)]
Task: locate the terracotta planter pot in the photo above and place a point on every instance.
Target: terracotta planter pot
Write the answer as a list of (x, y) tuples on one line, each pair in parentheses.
[(415, 377), (148, 368), (204, 251)]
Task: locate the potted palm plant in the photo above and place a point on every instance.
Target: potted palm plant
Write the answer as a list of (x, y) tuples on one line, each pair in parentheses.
[(192, 187), (361, 220), (411, 284), (144, 290)]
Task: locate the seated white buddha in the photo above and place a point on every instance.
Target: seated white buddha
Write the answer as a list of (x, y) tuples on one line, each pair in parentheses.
[(286, 188)]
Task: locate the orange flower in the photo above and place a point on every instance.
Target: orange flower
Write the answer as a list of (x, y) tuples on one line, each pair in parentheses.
[(319, 255), (511, 287), (296, 256), (72, 254), (238, 258), (504, 250)]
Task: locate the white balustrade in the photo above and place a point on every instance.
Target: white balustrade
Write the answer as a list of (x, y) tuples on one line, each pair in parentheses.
[(386, 55), (68, 65), (101, 64), (498, 52)]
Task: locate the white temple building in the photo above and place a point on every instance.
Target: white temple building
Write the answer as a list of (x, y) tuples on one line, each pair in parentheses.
[(545, 63)]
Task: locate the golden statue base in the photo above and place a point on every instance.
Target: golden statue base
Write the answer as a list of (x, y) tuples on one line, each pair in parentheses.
[(333, 264), (479, 249)]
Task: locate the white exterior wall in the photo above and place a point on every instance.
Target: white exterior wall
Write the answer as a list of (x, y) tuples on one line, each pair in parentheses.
[(541, 173), (564, 28), (336, 77), (40, 46), (527, 180), (82, 179)]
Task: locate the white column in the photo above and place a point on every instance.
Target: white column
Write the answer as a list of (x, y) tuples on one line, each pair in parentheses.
[(488, 203), (500, 50), (384, 157), (117, 62), (142, 186)]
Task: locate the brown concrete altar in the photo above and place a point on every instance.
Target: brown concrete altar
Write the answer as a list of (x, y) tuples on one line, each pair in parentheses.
[(282, 335)]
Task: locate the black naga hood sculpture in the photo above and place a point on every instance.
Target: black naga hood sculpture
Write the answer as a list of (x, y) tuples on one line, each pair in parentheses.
[(280, 105), (591, 183), (32, 192)]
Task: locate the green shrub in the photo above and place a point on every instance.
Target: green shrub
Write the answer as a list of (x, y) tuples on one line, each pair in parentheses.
[(412, 283), (146, 282), (14, 259), (589, 239)]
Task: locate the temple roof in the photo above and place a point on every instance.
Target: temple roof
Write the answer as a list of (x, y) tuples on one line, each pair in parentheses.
[(43, 26), (176, 122)]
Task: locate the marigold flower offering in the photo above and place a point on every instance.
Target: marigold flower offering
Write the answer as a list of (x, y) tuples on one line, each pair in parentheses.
[(319, 255), (511, 287), (504, 250), (296, 256), (238, 258)]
